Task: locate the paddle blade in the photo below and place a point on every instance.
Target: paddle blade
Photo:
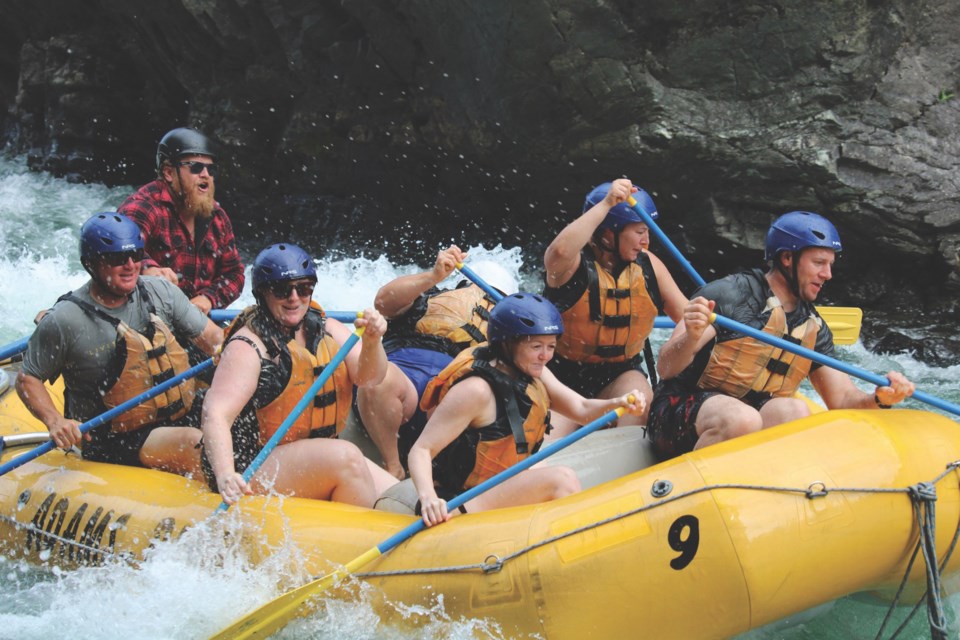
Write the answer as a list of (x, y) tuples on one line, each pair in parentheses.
[(274, 615), (844, 322), (278, 612)]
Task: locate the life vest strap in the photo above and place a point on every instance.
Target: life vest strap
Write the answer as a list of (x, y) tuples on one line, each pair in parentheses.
[(506, 392), (324, 432), (778, 367), (619, 294), (160, 350), (325, 399), (163, 376), (175, 407), (616, 322), (610, 351), (474, 333)]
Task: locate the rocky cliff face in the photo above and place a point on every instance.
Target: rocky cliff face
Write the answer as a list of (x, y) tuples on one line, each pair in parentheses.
[(418, 122)]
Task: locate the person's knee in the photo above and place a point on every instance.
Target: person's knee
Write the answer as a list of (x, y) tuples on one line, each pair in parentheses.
[(627, 381), (190, 438), (350, 462), (564, 482), (780, 410), (796, 408), (741, 423)]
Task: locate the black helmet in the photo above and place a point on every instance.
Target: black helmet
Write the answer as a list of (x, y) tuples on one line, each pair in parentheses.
[(183, 142)]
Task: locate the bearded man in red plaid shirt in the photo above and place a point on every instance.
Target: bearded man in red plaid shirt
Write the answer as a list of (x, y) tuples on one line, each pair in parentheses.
[(188, 237)]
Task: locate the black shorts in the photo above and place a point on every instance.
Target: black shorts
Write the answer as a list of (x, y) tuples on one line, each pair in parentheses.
[(117, 448), (121, 448), (671, 426), (590, 379), (408, 433), (124, 448)]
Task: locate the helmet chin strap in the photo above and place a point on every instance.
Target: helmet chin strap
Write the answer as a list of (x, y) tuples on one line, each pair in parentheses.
[(91, 268), (179, 194), (601, 243), (792, 278)]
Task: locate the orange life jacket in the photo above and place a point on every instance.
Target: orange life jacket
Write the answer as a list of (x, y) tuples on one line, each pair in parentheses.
[(611, 318), (331, 406), (459, 315), (743, 364), (147, 359), (523, 417)]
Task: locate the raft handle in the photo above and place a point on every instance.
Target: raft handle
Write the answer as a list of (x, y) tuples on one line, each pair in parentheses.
[(24, 439), (816, 489), (492, 563)]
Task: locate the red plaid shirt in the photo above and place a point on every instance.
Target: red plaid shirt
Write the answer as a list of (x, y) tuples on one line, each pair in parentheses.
[(211, 267)]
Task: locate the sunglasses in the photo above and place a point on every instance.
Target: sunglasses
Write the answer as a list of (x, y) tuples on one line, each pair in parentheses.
[(197, 167), (281, 290), (120, 258)]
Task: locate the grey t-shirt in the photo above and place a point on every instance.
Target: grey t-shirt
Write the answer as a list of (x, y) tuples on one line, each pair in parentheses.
[(72, 343)]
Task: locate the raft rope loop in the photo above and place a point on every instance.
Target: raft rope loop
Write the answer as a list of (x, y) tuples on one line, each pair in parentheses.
[(923, 496)]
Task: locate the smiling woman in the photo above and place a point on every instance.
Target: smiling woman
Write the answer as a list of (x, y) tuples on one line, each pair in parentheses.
[(273, 351), (490, 408)]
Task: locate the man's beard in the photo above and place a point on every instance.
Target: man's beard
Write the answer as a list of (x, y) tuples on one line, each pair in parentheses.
[(200, 204)]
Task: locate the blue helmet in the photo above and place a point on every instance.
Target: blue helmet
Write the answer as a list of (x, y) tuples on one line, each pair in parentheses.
[(280, 262), (799, 230), (108, 232), (523, 314), (621, 214)]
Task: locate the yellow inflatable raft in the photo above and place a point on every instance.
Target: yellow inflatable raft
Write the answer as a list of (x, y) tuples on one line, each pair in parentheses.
[(705, 546)]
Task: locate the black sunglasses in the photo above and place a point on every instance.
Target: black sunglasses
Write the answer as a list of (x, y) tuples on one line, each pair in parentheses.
[(120, 258), (281, 290), (197, 167)]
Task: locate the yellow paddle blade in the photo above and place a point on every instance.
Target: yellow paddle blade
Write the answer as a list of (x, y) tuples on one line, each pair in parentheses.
[(844, 322), (278, 612)]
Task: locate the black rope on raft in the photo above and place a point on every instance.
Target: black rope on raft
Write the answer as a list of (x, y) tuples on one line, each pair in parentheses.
[(924, 497)]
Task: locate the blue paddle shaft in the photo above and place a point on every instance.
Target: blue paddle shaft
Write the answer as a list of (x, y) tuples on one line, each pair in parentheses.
[(14, 348), (226, 315), (300, 407), (863, 374), (501, 477), (106, 416), (477, 280), (665, 241)]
